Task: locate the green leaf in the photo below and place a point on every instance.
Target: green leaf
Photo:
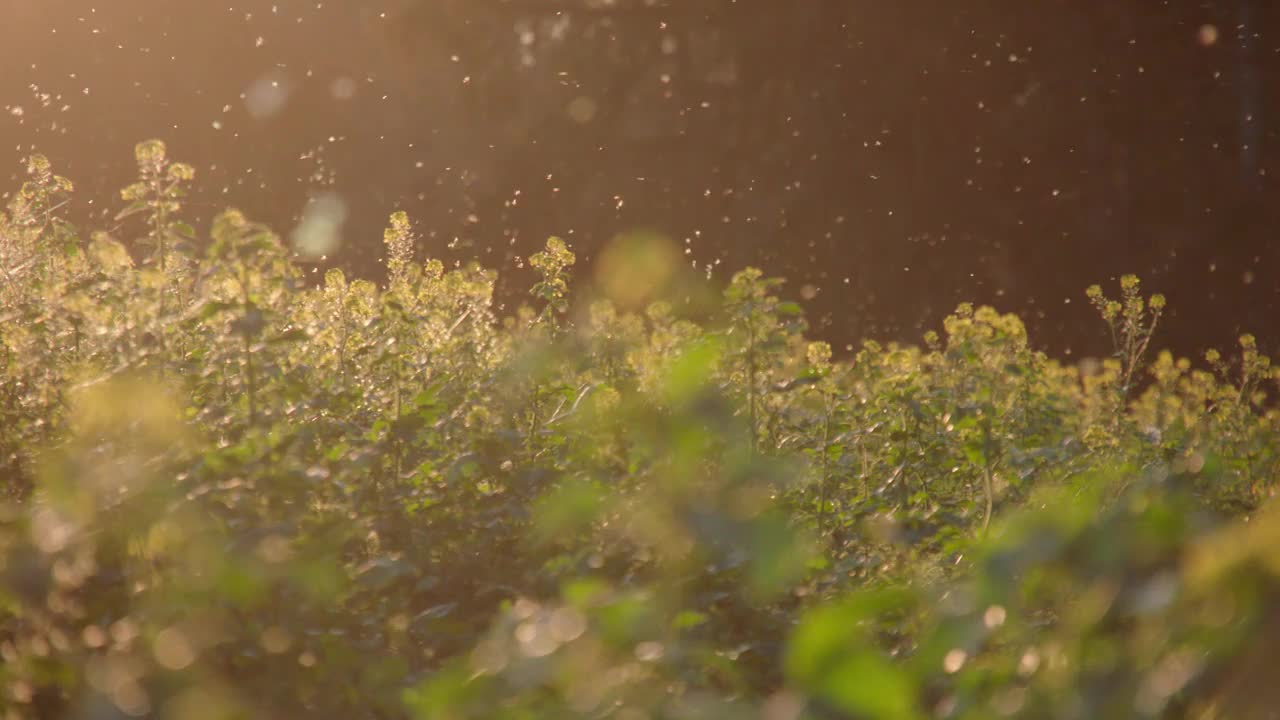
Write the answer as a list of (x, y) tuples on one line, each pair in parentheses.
[(831, 656), (974, 454), (184, 230), (133, 209), (687, 619), (292, 335)]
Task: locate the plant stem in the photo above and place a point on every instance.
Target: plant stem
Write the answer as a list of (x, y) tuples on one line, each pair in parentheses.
[(822, 487)]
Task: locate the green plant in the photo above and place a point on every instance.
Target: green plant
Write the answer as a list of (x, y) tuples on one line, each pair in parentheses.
[(228, 493)]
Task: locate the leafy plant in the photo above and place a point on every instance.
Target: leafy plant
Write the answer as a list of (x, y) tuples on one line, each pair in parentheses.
[(229, 493)]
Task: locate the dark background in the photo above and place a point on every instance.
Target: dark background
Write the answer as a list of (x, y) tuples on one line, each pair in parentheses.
[(890, 158)]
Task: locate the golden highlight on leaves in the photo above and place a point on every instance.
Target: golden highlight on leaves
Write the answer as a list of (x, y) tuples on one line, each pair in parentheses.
[(228, 492)]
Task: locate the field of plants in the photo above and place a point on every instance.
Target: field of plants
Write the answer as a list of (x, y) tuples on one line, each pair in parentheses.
[(232, 489)]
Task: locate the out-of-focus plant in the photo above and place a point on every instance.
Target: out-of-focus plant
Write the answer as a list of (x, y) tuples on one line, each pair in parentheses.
[(229, 494)]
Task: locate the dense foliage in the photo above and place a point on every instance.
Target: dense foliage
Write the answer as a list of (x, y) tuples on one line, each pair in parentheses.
[(233, 493)]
